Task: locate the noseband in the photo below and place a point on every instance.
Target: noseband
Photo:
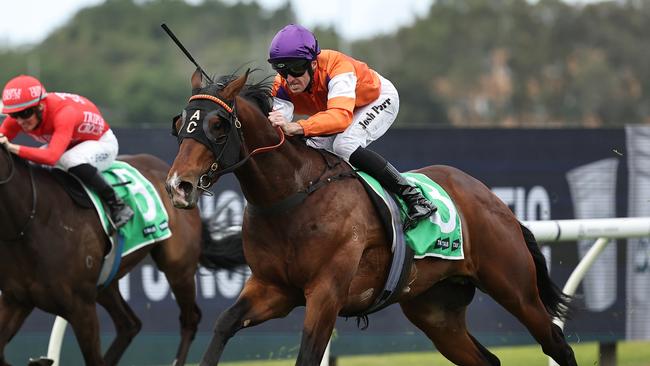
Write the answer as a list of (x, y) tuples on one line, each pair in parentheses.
[(32, 213)]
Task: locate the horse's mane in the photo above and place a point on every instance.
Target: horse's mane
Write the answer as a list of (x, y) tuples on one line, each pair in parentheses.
[(259, 93)]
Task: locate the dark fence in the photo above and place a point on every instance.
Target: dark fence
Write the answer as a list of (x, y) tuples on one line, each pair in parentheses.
[(540, 174)]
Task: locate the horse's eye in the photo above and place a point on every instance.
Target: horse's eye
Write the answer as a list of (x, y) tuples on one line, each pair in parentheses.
[(215, 130), (215, 124), (219, 127)]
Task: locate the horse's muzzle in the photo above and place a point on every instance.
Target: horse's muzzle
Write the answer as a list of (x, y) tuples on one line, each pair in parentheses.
[(183, 194)]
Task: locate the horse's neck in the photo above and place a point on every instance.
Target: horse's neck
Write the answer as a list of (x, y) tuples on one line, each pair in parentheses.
[(15, 194), (274, 175)]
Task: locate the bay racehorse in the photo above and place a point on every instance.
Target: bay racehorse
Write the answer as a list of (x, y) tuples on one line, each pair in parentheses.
[(51, 251), (313, 238)]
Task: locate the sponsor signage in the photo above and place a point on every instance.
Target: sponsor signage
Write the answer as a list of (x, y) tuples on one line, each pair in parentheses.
[(532, 171)]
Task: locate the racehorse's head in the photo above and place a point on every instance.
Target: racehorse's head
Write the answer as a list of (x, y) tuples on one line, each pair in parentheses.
[(209, 137)]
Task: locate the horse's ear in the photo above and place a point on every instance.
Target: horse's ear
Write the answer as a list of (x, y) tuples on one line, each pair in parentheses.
[(234, 87), (197, 80)]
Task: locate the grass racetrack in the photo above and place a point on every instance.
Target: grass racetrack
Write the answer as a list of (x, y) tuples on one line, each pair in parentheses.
[(628, 354)]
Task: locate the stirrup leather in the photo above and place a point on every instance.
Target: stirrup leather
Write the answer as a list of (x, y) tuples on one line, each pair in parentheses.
[(120, 214)]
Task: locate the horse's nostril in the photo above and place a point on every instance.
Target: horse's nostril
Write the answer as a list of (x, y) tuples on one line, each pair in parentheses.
[(186, 187)]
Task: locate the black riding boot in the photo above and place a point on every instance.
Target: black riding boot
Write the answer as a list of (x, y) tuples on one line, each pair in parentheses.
[(120, 212), (372, 163)]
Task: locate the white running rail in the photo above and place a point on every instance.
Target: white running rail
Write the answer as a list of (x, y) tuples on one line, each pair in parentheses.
[(603, 230), (56, 340)]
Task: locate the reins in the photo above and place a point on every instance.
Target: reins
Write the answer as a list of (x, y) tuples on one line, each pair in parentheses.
[(259, 150), (298, 197), (32, 213), (206, 179)]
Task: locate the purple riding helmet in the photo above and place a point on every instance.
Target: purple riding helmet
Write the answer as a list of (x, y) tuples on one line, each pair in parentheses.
[(293, 42)]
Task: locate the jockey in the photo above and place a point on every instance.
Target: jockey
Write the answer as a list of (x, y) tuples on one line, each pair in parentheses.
[(349, 105), (77, 138)]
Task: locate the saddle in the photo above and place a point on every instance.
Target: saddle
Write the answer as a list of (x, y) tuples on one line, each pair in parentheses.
[(149, 224)]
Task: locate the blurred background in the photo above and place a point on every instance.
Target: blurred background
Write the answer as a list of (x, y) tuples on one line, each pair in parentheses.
[(457, 63), (547, 102)]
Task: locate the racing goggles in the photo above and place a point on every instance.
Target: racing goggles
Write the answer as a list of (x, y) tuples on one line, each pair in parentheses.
[(295, 68), (24, 114)]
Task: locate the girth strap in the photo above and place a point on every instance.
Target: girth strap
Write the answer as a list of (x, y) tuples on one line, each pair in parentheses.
[(400, 267)]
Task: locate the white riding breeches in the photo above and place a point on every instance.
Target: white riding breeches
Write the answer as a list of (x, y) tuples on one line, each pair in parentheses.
[(369, 123), (100, 153)]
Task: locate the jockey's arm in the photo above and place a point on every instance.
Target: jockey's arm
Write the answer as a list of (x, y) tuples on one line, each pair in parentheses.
[(8, 130), (283, 106), (282, 115), (59, 143), (341, 97)]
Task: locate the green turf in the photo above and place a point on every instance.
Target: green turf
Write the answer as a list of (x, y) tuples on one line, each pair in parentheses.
[(628, 354)]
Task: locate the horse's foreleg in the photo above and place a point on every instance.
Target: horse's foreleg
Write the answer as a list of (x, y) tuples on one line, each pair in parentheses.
[(325, 297), (320, 317), (12, 317), (257, 303), (126, 322)]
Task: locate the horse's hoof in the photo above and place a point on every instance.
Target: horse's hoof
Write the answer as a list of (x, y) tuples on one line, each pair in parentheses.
[(42, 361)]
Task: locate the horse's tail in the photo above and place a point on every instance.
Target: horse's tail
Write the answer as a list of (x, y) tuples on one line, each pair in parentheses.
[(557, 303), (223, 251)]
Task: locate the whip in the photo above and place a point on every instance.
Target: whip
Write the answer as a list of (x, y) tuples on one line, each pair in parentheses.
[(185, 51)]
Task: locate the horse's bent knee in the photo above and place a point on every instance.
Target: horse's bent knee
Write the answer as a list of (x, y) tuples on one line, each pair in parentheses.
[(133, 328), (192, 319)]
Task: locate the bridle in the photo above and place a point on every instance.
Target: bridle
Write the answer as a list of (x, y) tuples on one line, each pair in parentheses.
[(226, 151), (32, 213)]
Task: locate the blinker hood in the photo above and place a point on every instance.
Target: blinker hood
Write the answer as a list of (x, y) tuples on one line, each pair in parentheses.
[(226, 145)]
